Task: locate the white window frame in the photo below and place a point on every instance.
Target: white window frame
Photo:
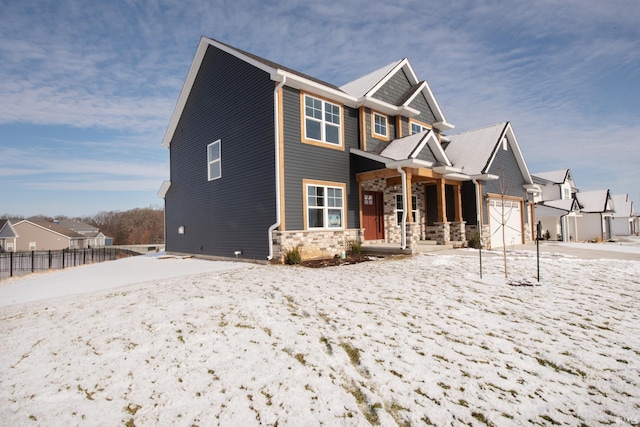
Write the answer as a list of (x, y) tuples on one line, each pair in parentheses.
[(324, 122), (417, 125), (400, 208), (32, 246), (9, 247), (376, 119), (328, 205), (213, 161)]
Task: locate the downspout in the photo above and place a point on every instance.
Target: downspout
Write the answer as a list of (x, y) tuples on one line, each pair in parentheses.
[(277, 164), (403, 231)]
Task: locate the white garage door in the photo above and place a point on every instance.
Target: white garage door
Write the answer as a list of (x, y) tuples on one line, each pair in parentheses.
[(507, 217)]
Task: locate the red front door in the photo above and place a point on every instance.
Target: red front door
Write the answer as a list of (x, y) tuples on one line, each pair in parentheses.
[(372, 215)]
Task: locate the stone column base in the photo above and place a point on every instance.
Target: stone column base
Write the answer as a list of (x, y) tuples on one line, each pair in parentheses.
[(443, 232)]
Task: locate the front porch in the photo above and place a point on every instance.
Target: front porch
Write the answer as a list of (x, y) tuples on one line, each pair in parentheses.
[(433, 209)]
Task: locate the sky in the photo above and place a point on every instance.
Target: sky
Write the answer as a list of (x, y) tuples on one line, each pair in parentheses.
[(87, 89)]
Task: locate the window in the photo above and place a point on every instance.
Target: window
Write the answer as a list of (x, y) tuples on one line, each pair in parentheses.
[(213, 161), (325, 206), (32, 246), (505, 143), (380, 127), (417, 128), (400, 208), (567, 193), (322, 121), (9, 246)]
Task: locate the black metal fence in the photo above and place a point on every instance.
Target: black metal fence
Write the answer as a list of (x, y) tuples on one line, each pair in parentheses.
[(20, 263)]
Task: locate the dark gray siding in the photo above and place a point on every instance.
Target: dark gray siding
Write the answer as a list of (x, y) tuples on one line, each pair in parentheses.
[(305, 161), (427, 154), (231, 101), (511, 180), (426, 114), (376, 145), (395, 89)]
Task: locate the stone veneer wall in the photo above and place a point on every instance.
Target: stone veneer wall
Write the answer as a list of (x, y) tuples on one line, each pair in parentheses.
[(392, 231), (458, 232), (471, 230), (314, 244)]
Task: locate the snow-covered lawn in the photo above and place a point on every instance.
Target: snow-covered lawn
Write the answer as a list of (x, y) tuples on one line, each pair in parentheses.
[(411, 341)]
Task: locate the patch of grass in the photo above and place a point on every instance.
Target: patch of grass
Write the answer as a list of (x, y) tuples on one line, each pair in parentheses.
[(242, 325), (548, 419), (444, 386), (426, 420), (397, 374), (300, 358), (480, 417), (327, 345), (132, 409), (352, 352), (444, 359)]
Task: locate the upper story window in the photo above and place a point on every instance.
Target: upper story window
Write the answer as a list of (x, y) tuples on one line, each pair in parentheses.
[(322, 121), (325, 206), (567, 193), (418, 127), (214, 168), (380, 126)]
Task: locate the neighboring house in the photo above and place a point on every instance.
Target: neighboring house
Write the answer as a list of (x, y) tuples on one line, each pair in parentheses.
[(35, 235), (622, 222), (499, 190), (264, 159), (556, 207), (595, 218), (8, 236), (95, 238)]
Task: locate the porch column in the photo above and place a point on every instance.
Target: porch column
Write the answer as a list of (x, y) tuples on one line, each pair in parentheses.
[(442, 201), (457, 195), (409, 195)]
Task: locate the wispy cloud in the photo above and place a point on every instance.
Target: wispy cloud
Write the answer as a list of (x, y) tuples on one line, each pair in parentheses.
[(547, 66)]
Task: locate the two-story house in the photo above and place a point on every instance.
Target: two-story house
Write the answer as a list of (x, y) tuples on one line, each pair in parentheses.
[(556, 207), (8, 236), (264, 158)]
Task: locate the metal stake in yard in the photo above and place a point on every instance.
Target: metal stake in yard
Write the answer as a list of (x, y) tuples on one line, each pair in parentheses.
[(538, 236)]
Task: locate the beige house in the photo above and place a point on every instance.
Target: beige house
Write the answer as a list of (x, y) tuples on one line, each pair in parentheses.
[(42, 235), (8, 236)]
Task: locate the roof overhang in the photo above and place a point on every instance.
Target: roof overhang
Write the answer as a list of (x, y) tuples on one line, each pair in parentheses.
[(162, 192)]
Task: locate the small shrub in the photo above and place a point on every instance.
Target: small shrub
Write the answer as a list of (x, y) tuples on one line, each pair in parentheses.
[(293, 256), (353, 247), (547, 235), (474, 242)]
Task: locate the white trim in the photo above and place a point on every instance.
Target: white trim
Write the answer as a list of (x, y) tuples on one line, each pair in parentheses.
[(322, 121), (215, 160), (384, 117), (513, 142), (162, 192), (325, 208)]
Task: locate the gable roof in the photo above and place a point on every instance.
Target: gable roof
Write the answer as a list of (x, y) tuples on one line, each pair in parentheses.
[(410, 146), (6, 229), (54, 228), (366, 86), (556, 177), (77, 226), (567, 205), (297, 80), (474, 152), (597, 201), (623, 205)]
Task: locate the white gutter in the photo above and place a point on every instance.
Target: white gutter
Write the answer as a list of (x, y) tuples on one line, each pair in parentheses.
[(277, 167), (403, 231)]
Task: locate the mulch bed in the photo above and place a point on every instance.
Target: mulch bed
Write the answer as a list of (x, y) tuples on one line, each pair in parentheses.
[(332, 262)]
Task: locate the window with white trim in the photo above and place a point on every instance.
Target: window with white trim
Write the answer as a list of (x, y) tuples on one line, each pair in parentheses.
[(417, 128), (322, 121), (214, 167), (380, 125), (400, 208), (32, 246), (325, 206)]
